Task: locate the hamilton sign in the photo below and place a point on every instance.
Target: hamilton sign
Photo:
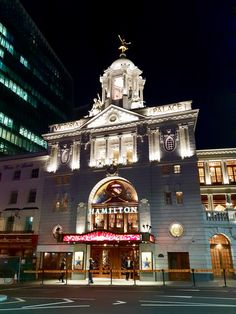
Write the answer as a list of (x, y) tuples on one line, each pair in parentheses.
[(113, 210)]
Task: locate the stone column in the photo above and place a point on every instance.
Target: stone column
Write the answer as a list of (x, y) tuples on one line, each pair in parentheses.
[(92, 150), (210, 202), (125, 89), (154, 145), (141, 91), (184, 141), (157, 144), (75, 163), (134, 147), (224, 173), (53, 162), (207, 172), (109, 91), (121, 161), (107, 150)]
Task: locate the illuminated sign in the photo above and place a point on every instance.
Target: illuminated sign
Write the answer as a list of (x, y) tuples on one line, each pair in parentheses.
[(113, 210), (152, 239), (18, 240), (147, 237), (101, 236), (66, 126), (176, 107)]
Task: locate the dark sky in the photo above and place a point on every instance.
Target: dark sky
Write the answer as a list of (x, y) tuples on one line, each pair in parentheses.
[(185, 48)]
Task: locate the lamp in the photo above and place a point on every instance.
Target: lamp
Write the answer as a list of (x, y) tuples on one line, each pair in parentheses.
[(147, 228)]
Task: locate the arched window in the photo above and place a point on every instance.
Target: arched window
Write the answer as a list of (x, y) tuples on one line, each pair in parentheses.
[(115, 207)]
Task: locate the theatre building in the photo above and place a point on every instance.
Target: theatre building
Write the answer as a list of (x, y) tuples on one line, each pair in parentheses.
[(123, 181), (126, 180)]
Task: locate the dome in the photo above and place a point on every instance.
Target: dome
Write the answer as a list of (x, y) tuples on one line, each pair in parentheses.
[(122, 62)]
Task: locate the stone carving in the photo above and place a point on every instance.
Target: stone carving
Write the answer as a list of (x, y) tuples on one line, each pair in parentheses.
[(97, 107), (65, 153), (169, 140)]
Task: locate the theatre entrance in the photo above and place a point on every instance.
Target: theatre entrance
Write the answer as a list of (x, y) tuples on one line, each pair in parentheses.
[(113, 256)]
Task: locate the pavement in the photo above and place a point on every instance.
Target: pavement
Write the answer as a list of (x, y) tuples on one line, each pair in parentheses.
[(131, 282), (122, 282)]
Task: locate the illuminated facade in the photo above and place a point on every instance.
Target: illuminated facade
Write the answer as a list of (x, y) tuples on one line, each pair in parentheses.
[(126, 180), (123, 180), (217, 176), (35, 88)]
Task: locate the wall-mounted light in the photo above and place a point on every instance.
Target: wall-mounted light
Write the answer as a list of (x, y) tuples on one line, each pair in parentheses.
[(147, 228)]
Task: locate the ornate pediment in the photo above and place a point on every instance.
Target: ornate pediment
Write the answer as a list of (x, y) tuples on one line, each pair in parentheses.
[(112, 115)]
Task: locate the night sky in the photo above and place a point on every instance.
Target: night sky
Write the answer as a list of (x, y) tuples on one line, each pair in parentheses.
[(185, 48)]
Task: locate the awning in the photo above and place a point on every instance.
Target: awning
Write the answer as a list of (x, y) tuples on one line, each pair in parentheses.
[(106, 236)]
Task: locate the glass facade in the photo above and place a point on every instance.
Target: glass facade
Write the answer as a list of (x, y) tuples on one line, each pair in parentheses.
[(35, 88)]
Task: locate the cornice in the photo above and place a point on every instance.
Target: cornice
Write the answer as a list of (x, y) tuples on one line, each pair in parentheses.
[(106, 129), (216, 152)]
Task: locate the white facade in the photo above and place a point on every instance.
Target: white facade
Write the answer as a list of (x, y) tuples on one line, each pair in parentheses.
[(130, 175), (151, 148)]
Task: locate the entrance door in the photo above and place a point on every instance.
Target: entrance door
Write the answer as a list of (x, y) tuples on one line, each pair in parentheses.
[(179, 260), (110, 257), (221, 255)]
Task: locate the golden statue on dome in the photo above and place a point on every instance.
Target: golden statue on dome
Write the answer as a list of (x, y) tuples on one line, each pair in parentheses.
[(123, 47)]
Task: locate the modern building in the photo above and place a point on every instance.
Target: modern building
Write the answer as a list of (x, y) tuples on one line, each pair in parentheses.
[(126, 180), (35, 88)]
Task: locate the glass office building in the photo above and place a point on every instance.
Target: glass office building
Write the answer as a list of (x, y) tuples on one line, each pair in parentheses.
[(35, 88)]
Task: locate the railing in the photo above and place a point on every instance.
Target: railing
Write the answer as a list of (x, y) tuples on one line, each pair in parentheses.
[(217, 216), (135, 273), (17, 232)]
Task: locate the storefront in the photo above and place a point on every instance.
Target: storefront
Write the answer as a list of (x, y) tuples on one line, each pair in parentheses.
[(18, 252), (108, 250), (18, 245)]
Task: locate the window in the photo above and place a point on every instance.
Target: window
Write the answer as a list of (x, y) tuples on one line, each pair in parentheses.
[(165, 169), (219, 202), (204, 198), (6, 120), (99, 221), (65, 201), (35, 173), (168, 199), (233, 200), (201, 172), (61, 202), (117, 88), (13, 197), (32, 137), (179, 197), (32, 196), (10, 223), (132, 225), (177, 169), (59, 180), (28, 224), (215, 172), (231, 169), (66, 179), (129, 156), (16, 175), (57, 203), (24, 61)]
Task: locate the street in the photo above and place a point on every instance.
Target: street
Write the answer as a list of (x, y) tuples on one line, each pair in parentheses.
[(117, 299)]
